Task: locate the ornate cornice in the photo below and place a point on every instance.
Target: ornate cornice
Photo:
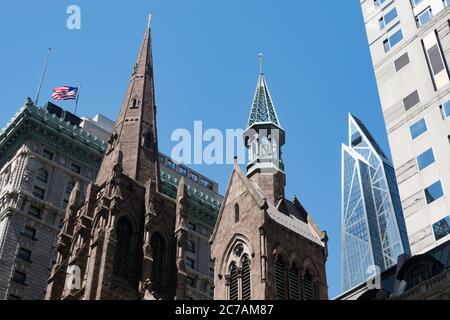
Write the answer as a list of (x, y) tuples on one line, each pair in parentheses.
[(32, 122)]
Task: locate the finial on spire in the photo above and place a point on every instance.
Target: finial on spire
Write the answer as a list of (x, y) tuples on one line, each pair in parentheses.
[(261, 63), (149, 21)]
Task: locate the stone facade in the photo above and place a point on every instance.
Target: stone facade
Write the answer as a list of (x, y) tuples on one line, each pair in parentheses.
[(41, 158), (140, 231), (265, 246)]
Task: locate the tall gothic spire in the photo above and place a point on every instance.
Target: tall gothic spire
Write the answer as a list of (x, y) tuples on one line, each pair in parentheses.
[(263, 110), (135, 129)]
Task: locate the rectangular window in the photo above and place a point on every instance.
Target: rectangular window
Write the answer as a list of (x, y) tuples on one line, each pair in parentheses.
[(415, 2), (38, 193), (412, 100), (24, 254), (19, 277), (424, 17), (36, 212), (418, 128), (190, 263), (162, 159), (182, 171), (446, 3), (426, 159), (401, 62), (47, 154), (171, 165), (75, 168), (445, 109), (435, 59), (206, 183), (434, 192), (379, 3), (441, 229), (194, 177), (393, 40), (388, 18), (29, 233), (191, 282)]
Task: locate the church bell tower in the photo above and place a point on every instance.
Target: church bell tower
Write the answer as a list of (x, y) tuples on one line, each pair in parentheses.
[(264, 138)]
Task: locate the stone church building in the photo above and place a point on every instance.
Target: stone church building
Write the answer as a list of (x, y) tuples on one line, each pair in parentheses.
[(125, 239), (264, 246)]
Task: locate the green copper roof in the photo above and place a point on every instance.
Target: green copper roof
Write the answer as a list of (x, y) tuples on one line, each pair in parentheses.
[(263, 109), (52, 121), (32, 122)]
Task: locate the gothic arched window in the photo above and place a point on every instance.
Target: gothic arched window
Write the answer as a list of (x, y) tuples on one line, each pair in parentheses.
[(246, 279), (308, 287), (294, 292), (280, 278), (134, 103), (42, 175), (122, 261), (158, 249), (236, 213), (234, 283)]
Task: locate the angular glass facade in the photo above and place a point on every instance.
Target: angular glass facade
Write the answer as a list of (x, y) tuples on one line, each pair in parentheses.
[(373, 228)]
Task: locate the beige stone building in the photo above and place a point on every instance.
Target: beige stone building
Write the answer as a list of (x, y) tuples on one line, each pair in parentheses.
[(409, 42)]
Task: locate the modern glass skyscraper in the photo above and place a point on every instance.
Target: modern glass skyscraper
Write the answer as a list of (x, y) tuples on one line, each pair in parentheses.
[(373, 227)]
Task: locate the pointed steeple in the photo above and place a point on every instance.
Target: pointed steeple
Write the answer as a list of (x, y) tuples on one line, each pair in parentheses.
[(135, 129), (264, 139), (263, 110)]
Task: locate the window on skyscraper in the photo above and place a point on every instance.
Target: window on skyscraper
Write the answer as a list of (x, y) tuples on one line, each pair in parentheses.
[(442, 228), (379, 3), (425, 159), (434, 192), (393, 40), (418, 128), (414, 3), (38, 193), (388, 18), (436, 60), (42, 175), (445, 109), (424, 17)]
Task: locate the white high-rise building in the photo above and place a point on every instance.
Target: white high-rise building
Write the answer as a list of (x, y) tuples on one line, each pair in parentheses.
[(410, 46)]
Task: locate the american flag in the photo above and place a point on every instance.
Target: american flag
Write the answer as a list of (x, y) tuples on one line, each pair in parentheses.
[(65, 93)]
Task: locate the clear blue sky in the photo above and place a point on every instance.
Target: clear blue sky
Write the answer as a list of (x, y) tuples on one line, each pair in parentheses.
[(317, 65)]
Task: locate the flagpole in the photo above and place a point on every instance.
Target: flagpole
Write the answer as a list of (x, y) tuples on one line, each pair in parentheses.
[(43, 76), (76, 102)]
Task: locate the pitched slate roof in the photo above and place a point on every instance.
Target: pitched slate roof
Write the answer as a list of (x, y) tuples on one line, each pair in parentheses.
[(290, 216)]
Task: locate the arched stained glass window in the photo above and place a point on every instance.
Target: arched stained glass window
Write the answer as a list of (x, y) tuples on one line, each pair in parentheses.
[(280, 278), (246, 279), (122, 261), (234, 283), (158, 248)]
